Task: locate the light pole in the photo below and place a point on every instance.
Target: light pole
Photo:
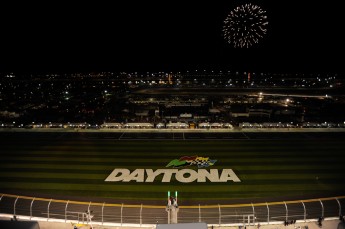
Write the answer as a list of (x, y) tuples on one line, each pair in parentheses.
[(172, 208)]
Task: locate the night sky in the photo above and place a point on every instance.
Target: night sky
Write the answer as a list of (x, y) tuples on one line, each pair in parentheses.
[(168, 36)]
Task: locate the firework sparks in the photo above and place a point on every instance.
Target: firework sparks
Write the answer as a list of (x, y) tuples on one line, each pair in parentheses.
[(245, 26)]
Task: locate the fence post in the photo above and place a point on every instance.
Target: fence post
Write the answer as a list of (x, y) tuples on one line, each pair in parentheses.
[(1, 197), (199, 214), (121, 213), (268, 214), (66, 211), (48, 209), (168, 214), (305, 212), (88, 215), (253, 212), (141, 210), (14, 209), (31, 207), (286, 212), (102, 212), (220, 215), (335, 199), (322, 213)]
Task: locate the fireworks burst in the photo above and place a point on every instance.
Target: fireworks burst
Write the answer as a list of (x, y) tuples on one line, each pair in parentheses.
[(245, 26)]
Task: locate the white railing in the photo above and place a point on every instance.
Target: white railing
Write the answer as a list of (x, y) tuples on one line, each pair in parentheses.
[(123, 214)]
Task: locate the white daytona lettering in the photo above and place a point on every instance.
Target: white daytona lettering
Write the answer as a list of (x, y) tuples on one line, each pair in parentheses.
[(183, 175)]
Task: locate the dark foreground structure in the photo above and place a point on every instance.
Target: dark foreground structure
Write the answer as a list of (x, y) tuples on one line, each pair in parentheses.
[(13, 224)]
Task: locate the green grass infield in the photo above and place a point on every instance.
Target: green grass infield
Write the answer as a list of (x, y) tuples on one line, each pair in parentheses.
[(266, 168)]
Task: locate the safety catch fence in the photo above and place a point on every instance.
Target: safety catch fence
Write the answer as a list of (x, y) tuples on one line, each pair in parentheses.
[(235, 214)]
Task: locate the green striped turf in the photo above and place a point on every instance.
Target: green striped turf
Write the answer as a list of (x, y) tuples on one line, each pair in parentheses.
[(266, 168)]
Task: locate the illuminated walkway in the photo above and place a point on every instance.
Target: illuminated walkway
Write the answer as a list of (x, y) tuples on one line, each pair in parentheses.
[(331, 223)]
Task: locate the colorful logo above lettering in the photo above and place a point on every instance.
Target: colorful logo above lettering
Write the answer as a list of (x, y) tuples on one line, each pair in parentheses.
[(191, 160)]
